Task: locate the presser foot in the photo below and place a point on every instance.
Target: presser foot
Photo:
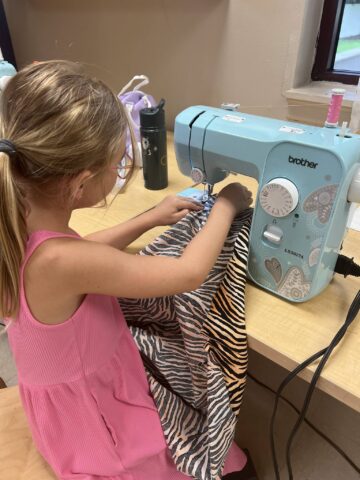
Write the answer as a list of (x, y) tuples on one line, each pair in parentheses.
[(208, 189)]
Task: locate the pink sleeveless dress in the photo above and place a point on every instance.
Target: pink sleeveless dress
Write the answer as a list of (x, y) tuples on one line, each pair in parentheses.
[(86, 396)]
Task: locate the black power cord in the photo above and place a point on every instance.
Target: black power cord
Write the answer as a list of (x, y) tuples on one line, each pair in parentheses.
[(325, 353), (311, 425), (353, 311), (345, 266), (283, 384)]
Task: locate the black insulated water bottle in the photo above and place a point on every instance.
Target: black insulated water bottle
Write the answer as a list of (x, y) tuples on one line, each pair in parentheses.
[(153, 146)]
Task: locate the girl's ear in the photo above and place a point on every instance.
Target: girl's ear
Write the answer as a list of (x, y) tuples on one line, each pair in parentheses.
[(77, 183)]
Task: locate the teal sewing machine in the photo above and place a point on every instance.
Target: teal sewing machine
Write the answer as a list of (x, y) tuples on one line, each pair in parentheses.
[(308, 176)]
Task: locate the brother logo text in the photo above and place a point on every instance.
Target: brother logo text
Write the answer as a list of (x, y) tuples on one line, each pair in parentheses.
[(302, 161)]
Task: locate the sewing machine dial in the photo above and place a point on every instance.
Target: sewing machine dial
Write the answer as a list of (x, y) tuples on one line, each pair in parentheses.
[(279, 197)]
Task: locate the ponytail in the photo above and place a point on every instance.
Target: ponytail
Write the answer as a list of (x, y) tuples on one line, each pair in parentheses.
[(73, 123), (13, 237)]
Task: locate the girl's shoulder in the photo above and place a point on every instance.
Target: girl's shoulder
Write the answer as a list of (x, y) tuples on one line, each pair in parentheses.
[(45, 280), (45, 247)]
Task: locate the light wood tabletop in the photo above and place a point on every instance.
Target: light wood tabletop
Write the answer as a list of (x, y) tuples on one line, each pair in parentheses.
[(284, 332)]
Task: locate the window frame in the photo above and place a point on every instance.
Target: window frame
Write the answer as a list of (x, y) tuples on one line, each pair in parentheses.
[(5, 39), (328, 37)]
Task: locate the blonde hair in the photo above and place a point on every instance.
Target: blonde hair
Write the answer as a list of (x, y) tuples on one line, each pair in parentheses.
[(61, 122)]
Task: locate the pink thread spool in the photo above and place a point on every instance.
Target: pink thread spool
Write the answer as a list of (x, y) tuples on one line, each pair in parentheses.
[(332, 119)]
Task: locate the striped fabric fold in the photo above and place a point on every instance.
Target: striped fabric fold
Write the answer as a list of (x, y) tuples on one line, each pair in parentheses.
[(194, 349)]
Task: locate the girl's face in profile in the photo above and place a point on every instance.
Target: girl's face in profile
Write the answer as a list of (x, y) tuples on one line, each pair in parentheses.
[(96, 188)]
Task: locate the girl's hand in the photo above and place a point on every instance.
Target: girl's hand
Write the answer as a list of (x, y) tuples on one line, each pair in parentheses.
[(81, 267), (172, 209), (236, 196)]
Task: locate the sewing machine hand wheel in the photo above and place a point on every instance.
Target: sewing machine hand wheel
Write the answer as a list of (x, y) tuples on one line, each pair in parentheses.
[(354, 190)]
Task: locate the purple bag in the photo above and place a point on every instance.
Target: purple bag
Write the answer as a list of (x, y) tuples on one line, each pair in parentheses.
[(134, 101)]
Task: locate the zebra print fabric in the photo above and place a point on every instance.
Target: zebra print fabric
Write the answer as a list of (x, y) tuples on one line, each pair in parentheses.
[(194, 349)]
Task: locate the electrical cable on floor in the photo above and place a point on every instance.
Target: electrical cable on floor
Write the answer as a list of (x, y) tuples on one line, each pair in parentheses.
[(325, 353), (353, 311), (311, 425), (344, 266), (277, 396)]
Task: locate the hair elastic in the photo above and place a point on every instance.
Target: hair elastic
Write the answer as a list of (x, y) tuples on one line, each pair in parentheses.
[(7, 147)]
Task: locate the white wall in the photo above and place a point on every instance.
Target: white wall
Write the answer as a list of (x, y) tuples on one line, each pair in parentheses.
[(195, 52)]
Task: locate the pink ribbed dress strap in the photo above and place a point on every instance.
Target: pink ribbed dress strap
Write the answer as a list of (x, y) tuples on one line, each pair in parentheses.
[(37, 238), (34, 241)]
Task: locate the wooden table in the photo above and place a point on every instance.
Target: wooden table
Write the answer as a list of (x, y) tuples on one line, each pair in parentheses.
[(281, 331)]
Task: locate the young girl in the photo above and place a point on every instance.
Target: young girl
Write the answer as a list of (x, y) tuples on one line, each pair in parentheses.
[(81, 379)]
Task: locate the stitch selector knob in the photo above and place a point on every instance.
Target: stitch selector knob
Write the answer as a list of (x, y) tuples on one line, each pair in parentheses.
[(279, 197)]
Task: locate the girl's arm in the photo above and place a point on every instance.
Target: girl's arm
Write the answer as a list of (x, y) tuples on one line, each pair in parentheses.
[(81, 267), (169, 211)]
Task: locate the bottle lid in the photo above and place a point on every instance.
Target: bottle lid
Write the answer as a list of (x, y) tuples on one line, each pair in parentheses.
[(153, 117)]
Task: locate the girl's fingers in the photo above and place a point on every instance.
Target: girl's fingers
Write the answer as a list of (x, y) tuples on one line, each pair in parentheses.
[(190, 204), (180, 214)]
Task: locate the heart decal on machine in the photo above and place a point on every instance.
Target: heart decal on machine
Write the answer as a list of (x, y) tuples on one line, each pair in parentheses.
[(273, 266), (294, 285)]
